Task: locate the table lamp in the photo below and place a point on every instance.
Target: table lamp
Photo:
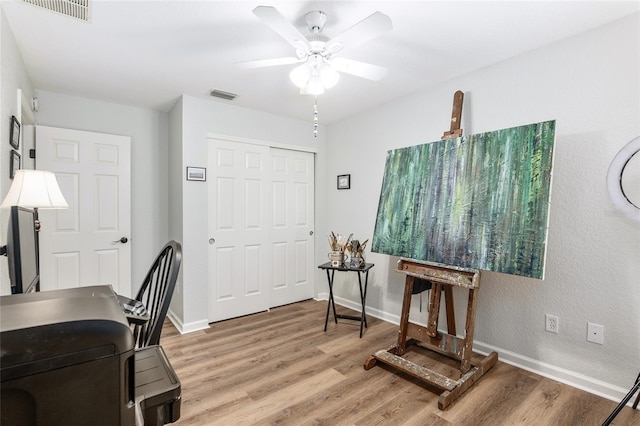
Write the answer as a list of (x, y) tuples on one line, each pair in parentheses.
[(36, 189)]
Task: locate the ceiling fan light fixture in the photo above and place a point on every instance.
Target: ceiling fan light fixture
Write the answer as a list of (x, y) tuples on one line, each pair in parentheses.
[(315, 86), (318, 69), (314, 78), (300, 75), (328, 76)]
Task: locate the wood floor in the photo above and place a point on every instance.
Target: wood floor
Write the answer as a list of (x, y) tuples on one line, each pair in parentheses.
[(279, 367)]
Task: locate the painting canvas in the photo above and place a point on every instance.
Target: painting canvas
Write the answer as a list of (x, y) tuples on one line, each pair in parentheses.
[(478, 201)]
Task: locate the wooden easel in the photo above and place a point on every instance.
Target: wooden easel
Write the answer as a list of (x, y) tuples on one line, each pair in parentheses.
[(456, 114), (442, 277), (446, 344)]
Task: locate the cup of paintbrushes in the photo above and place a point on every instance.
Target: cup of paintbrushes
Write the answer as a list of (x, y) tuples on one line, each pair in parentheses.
[(336, 258)]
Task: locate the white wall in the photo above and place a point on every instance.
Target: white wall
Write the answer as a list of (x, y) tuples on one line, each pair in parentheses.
[(175, 172), (590, 85), (202, 117), (148, 130), (14, 76)]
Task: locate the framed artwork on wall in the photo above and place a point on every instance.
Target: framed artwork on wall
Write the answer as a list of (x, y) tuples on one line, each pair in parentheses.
[(15, 132), (197, 173), (15, 163), (344, 181)]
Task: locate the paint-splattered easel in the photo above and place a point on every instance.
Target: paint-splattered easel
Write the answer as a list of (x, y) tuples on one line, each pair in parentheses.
[(441, 277)]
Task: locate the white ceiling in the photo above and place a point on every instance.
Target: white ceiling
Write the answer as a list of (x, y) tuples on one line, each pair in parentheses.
[(148, 53)]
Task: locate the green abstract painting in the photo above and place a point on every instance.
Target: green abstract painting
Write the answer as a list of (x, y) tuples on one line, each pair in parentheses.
[(479, 201)]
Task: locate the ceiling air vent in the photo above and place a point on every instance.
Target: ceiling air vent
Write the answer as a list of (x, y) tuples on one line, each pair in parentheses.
[(222, 95), (78, 9)]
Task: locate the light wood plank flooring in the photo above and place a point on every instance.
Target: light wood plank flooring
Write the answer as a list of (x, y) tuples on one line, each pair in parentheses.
[(279, 367)]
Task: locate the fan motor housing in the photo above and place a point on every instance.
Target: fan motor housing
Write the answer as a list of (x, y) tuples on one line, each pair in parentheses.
[(316, 20)]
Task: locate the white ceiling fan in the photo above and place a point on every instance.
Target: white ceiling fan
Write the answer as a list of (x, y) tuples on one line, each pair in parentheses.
[(319, 68)]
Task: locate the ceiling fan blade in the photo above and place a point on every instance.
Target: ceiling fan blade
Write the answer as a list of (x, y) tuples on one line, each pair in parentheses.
[(359, 69), (369, 28), (268, 63), (270, 16)]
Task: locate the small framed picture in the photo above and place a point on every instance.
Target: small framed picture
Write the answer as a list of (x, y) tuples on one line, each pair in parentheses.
[(196, 173), (15, 132), (344, 181), (15, 163)]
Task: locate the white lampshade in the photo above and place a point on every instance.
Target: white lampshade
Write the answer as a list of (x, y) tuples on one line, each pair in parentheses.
[(329, 76), (314, 76), (35, 189), (315, 87), (300, 75)]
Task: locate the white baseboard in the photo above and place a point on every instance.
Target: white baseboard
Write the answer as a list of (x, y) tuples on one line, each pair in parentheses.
[(568, 377), (186, 328), (571, 378)]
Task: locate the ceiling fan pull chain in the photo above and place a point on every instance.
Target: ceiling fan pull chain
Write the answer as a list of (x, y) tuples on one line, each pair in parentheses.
[(315, 118)]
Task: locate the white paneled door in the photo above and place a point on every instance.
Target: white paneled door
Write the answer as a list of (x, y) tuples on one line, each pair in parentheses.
[(260, 228), (292, 241), (87, 244), (238, 229)]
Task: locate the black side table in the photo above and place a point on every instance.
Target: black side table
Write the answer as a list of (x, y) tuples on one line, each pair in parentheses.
[(363, 292)]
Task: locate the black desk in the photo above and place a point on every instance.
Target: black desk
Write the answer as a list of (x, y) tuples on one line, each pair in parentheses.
[(363, 292)]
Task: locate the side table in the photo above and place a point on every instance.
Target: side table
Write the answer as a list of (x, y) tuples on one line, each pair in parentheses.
[(363, 292)]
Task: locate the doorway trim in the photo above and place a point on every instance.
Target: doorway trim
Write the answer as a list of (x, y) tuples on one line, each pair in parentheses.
[(261, 142)]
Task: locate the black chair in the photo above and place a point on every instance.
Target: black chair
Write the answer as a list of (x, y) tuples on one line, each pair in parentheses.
[(155, 294)]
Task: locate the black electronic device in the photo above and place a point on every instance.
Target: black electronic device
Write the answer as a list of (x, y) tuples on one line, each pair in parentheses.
[(67, 359), (22, 250)]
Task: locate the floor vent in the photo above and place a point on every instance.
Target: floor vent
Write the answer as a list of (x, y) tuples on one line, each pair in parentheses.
[(78, 9), (222, 95)]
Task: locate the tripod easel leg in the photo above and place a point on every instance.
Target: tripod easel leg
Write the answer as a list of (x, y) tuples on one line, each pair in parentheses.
[(628, 396), (635, 404)]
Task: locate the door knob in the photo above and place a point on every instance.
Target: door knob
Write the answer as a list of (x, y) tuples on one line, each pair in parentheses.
[(311, 233), (122, 240), (212, 240)]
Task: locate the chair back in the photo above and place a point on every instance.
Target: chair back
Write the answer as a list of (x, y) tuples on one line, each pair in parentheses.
[(156, 292)]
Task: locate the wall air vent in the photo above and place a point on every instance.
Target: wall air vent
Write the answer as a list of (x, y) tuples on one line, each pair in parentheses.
[(78, 9), (222, 95)]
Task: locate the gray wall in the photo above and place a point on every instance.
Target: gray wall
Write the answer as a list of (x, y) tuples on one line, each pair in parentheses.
[(14, 76), (590, 85), (149, 132), (202, 117)]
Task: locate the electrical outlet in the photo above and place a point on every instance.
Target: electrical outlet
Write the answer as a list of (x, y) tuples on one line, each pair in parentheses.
[(595, 333), (552, 323)]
